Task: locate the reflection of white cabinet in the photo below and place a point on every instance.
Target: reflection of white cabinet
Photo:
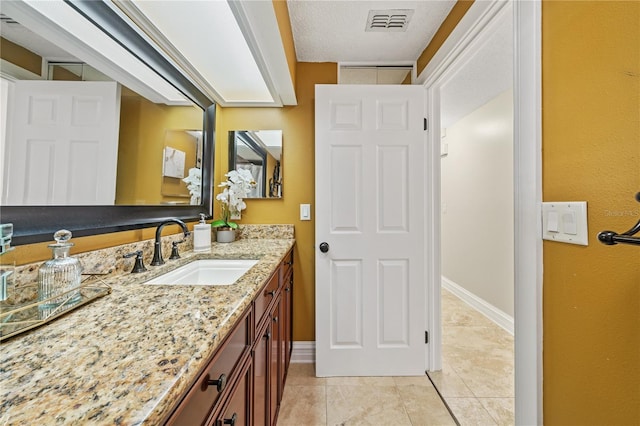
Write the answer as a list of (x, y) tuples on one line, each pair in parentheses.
[(63, 148)]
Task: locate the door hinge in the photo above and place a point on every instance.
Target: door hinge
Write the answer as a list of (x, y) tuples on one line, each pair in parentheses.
[(426, 337), (426, 123)]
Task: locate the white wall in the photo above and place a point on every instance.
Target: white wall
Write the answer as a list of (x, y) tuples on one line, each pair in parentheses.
[(477, 203)]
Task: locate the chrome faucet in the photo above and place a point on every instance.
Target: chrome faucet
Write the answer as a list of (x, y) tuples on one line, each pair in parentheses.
[(157, 247)]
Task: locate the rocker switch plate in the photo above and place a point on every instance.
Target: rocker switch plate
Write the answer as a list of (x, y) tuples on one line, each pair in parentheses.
[(565, 222), (305, 211)]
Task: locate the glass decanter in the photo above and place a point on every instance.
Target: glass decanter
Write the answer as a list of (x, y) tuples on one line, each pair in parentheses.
[(59, 278)]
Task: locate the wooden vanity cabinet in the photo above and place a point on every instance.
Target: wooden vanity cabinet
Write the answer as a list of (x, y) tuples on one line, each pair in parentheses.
[(287, 302), (244, 382), (215, 382), (237, 410)]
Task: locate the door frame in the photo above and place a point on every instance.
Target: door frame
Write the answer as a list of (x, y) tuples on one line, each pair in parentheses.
[(527, 168)]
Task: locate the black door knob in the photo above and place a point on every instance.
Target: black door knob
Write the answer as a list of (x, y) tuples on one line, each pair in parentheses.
[(324, 247)]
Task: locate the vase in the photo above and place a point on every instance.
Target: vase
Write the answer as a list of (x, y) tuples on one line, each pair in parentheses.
[(225, 235)]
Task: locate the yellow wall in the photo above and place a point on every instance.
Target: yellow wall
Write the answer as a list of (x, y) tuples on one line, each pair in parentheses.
[(20, 56), (286, 33), (143, 127), (450, 22), (591, 151), (297, 124)]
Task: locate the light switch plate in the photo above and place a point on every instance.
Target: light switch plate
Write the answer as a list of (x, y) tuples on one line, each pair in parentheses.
[(305, 211), (565, 221)]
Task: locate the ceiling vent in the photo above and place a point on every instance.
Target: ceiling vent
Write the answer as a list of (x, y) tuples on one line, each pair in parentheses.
[(6, 20), (392, 20)]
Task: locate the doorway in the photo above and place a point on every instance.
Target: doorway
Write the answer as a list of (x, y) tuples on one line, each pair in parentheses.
[(526, 185)]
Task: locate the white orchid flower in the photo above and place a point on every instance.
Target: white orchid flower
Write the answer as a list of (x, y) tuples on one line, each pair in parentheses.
[(238, 184)]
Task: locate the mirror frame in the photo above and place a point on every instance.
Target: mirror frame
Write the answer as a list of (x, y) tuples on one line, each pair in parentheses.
[(257, 149), (33, 224)]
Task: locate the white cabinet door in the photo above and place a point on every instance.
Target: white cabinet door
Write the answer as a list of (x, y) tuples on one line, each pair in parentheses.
[(370, 284), (63, 148)]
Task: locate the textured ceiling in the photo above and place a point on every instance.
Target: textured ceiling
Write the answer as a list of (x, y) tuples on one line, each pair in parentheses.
[(485, 75), (334, 31)]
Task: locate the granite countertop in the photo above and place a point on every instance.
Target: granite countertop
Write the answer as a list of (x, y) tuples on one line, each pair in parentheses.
[(128, 357)]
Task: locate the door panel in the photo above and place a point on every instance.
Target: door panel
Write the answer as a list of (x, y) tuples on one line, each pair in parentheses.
[(370, 286), (63, 148), (346, 304)]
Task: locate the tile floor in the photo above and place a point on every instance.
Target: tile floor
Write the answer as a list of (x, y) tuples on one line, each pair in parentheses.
[(310, 401), (476, 382)]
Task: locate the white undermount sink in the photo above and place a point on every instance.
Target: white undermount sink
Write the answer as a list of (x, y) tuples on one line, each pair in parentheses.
[(206, 272)]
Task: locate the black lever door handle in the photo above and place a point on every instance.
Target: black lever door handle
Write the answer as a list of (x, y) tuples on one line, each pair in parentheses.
[(324, 247)]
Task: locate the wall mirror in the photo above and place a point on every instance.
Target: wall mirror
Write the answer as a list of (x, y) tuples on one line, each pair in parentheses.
[(260, 152), (131, 115)]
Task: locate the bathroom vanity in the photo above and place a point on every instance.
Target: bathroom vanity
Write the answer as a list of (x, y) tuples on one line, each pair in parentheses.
[(162, 354)]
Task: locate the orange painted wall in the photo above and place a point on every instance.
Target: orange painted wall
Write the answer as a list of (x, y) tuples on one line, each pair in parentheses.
[(143, 127), (297, 124), (286, 33), (450, 22), (20, 56), (591, 151)]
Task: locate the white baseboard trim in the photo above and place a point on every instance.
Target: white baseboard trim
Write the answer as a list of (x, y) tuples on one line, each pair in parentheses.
[(303, 352), (496, 315)]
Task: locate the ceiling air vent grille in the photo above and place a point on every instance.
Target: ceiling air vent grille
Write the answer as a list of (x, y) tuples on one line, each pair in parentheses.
[(392, 20), (6, 20)]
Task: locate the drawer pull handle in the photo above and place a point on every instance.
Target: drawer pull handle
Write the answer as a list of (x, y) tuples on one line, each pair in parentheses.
[(289, 263), (271, 293), (267, 336), (288, 289), (220, 383), (232, 420)]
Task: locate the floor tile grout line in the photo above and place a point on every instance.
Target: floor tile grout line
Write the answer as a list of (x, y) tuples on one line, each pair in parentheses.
[(453, 416), (404, 406)]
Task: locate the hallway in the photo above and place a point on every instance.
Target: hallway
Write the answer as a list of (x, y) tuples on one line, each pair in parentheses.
[(476, 382)]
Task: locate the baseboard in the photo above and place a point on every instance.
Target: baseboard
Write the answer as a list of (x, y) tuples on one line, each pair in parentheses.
[(503, 320), (303, 352)]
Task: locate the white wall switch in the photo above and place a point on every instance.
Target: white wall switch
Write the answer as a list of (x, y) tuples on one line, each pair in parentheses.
[(565, 221), (305, 211)]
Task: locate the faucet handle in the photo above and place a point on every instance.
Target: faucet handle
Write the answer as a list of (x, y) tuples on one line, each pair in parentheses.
[(138, 266), (174, 249)]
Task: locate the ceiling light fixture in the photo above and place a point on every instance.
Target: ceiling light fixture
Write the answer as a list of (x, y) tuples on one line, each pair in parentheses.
[(214, 46)]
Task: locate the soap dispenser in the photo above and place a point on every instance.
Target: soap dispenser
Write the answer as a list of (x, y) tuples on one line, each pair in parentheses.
[(59, 278), (202, 236)]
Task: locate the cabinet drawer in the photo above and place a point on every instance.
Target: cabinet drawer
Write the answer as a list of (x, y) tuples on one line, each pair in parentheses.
[(213, 382), (266, 296)]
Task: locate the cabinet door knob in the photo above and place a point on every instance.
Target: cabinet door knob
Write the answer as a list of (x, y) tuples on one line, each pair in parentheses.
[(232, 420), (220, 383), (275, 319)]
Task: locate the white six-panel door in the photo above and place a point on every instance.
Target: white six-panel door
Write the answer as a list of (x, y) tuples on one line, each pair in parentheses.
[(370, 285), (63, 148)]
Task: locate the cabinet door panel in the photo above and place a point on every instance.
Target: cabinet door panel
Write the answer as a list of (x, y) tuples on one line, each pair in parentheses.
[(260, 377), (275, 365), (287, 300)]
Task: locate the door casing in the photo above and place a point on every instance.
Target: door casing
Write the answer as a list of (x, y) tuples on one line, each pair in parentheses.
[(527, 169)]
